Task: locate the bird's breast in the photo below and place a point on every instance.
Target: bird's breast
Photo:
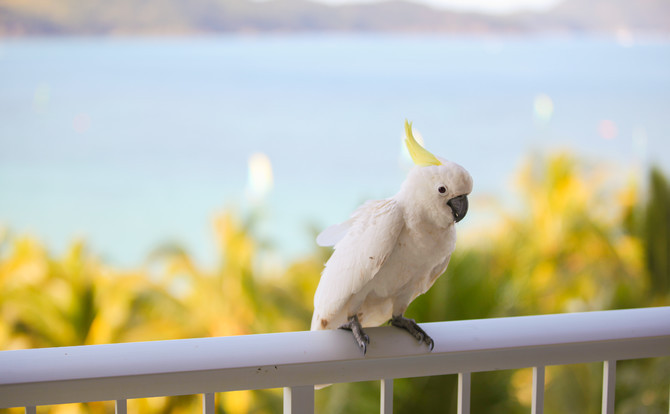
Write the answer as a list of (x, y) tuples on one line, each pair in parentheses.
[(413, 262)]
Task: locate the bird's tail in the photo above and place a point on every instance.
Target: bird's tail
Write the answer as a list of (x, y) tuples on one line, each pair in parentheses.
[(318, 325)]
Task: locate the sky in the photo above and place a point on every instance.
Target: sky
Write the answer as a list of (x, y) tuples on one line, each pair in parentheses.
[(484, 6)]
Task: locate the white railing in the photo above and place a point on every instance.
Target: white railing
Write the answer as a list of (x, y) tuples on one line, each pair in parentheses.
[(298, 360)]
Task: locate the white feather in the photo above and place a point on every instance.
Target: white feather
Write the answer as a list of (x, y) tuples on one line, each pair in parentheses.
[(389, 251), (333, 234), (372, 234)]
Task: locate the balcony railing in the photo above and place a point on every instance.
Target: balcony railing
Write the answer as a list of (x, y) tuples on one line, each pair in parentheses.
[(298, 360)]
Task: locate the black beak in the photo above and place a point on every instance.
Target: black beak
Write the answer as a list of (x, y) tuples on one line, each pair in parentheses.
[(459, 206)]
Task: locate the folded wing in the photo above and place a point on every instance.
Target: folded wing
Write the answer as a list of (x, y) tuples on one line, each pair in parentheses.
[(362, 245)]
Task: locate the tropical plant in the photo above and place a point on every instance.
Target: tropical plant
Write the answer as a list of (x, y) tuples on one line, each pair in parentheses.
[(573, 243)]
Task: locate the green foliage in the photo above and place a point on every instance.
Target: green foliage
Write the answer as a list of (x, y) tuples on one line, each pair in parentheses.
[(574, 244), (657, 233)]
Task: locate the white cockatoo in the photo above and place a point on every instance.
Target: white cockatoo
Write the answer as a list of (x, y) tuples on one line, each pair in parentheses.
[(391, 251)]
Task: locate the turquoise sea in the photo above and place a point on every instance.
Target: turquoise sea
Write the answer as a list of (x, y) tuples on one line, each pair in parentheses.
[(130, 143)]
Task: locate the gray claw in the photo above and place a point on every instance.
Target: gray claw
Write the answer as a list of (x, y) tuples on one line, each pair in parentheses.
[(353, 325), (415, 330)]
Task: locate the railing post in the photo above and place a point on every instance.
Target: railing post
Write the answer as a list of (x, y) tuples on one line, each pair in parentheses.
[(609, 382), (31, 410), (538, 390), (208, 403), (464, 393), (121, 407), (299, 400), (386, 397)]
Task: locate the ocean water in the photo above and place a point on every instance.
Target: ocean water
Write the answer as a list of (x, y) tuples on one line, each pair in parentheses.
[(131, 143)]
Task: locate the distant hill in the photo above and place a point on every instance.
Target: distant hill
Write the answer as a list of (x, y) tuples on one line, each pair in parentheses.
[(603, 16), (183, 17)]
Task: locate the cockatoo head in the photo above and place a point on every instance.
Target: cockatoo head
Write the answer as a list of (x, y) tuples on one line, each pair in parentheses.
[(436, 189)]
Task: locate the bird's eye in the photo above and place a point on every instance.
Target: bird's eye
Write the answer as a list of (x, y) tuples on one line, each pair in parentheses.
[(442, 189)]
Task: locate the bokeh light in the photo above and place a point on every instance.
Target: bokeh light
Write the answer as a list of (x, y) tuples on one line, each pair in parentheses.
[(41, 97), (624, 37), (81, 122), (260, 179), (543, 107), (607, 129), (640, 142)]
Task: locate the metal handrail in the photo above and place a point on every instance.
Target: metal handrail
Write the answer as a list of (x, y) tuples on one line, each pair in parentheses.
[(49, 376)]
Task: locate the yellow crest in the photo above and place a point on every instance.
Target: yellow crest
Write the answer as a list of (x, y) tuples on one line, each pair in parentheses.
[(419, 154)]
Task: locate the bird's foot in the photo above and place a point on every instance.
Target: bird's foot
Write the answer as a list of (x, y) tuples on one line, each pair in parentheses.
[(362, 339), (410, 326)]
